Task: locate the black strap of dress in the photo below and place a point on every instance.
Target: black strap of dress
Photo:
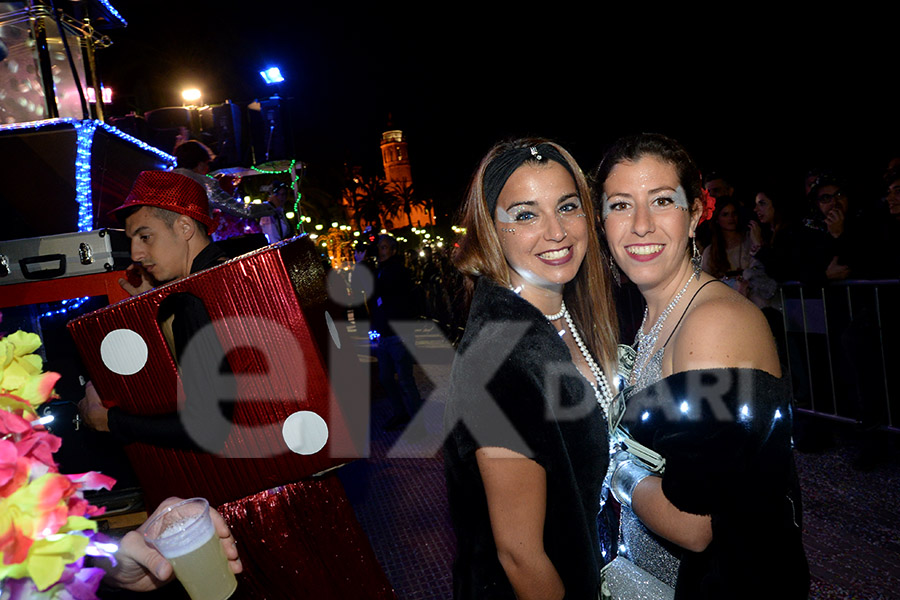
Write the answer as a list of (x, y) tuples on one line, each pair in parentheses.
[(674, 329)]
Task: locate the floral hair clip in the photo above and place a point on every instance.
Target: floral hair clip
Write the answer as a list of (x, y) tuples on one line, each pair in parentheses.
[(709, 206)]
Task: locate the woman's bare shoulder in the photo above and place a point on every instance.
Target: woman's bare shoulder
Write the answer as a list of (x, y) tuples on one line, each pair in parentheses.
[(724, 329)]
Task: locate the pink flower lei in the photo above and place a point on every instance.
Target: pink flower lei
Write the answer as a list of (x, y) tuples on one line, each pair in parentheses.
[(46, 525)]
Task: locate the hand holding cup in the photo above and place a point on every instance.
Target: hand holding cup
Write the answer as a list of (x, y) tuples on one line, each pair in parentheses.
[(190, 536)]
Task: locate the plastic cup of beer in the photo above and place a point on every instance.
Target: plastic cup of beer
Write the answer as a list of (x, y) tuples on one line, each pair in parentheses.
[(185, 535)]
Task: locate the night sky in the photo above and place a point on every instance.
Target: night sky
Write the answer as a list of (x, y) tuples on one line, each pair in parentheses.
[(755, 95)]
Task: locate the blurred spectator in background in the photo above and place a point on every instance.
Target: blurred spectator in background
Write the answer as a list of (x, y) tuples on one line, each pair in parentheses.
[(275, 225), (772, 235), (840, 244), (192, 160), (890, 226), (728, 252), (729, 257), (361, 278), (234, 218), (717, 186), (392, 303), (776, 233)]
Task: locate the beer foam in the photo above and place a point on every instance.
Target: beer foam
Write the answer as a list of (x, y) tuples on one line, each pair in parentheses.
[(185, 536)]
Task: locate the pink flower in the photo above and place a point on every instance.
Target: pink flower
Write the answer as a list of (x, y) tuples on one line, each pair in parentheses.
[(14, 545), (9, 459), (39, 446), (11, 423), (92, 480), (16, 473)]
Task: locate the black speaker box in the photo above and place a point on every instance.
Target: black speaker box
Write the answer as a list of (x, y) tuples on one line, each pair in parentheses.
[(132, 124), (165, 124), (227, 137), (271, 131)]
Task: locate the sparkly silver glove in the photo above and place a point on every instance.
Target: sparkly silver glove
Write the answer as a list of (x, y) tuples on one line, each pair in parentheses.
[(627, 472)]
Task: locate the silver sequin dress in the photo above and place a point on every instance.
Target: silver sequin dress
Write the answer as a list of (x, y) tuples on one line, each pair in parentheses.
[(637, 543)]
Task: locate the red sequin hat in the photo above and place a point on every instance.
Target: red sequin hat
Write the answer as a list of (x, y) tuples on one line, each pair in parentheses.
[(170, 191)]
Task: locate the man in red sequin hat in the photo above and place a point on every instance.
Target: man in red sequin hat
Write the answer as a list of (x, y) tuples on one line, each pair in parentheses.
[(166, 216)]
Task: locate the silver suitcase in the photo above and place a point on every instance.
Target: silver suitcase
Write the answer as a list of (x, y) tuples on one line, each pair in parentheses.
[(63, 255)]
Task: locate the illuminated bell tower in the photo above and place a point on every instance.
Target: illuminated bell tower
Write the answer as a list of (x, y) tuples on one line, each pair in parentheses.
[(398, 174), (395, 157)]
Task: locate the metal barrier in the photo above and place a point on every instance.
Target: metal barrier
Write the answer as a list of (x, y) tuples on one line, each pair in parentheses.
[(840, 347)]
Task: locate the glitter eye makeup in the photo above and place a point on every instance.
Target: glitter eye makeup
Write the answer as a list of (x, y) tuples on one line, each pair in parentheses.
[(571, 208), (527, 214), (522, 214), (679, 199), (606, 206), (519, 214), (503, 216)]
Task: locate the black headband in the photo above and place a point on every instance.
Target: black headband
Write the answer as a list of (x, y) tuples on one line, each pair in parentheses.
[(502, 167)]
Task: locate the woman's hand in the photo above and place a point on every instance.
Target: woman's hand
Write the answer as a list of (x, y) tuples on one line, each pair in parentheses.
[(755, 233), (691, 532)]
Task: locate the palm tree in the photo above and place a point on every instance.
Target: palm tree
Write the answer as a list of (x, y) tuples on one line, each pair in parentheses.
[(371, 201), (406, 198), (428, 205)]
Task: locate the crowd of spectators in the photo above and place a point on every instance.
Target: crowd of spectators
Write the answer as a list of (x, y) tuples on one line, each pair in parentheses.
[(831, 232)]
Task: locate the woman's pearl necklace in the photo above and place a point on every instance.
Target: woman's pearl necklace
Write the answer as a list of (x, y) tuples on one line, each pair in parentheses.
[(603, 394), (559, 315)]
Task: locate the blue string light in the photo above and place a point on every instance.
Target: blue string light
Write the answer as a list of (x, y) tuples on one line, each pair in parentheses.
[(85, 139), (113, 12), (142, 145), (65, 307)]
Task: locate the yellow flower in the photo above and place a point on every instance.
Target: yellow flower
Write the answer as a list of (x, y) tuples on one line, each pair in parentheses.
[(20, 369), (47, 559), (21, 343)]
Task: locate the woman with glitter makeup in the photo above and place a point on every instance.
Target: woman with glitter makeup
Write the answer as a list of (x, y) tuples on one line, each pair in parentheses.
[(526, 447), (704, 474)]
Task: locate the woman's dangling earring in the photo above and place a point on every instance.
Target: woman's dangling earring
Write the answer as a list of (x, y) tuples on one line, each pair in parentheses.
[(614, 269), (695, 256)]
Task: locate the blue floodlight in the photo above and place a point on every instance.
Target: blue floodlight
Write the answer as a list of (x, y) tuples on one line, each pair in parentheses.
[(272, 75)]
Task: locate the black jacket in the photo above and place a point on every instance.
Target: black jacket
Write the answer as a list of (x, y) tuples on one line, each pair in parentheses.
[(513, 385), (726, 438)]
